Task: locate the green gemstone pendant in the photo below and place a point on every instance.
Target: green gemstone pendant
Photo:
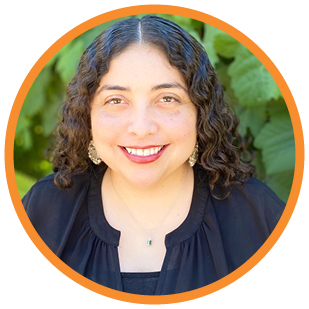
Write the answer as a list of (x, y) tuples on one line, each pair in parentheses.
[(149, 240)]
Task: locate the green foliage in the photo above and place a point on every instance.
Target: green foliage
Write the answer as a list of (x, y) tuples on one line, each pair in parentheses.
[(249, 88), (251, 82), (264, 118), (24, 182)]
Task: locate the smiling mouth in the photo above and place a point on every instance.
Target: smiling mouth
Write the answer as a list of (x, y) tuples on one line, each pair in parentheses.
[(145, 152)]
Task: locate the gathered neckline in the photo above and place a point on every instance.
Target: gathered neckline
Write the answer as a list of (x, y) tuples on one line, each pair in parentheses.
[(111, 236)]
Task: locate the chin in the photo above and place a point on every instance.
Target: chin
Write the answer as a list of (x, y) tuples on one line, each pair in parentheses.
[(143, 180), (144, 177)]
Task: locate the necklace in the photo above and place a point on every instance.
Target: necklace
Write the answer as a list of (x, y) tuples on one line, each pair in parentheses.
[(149, 239)]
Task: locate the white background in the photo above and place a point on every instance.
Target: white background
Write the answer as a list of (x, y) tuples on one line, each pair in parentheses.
[(28, 28)]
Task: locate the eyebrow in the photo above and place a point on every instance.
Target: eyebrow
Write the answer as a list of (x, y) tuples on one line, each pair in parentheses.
[(169, 85), (157, 87), (113, 87)]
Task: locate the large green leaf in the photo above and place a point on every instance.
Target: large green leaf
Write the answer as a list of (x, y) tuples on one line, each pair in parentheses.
[(68, 59), (276, 107), (252, 118), (252, 83), (208, 43), (34, 101), (225, 45), (276, 140), (225, 80), (35, 98), (51, 114)]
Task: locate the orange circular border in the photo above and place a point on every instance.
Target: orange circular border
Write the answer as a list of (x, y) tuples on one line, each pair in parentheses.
[(153, 9)]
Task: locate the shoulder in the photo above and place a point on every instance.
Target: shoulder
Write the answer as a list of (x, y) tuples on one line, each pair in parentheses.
[(45, 189), (257, 194), (253, 190), (253, 202), (53, 211), (45, 201), (241, 222)]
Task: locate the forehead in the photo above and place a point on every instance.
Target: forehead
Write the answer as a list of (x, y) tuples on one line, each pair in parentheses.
[(141, 64)]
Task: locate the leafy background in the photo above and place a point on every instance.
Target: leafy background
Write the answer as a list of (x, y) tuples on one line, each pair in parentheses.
[(249, 88)]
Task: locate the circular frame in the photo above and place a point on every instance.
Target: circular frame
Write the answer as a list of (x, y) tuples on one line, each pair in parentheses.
[(153, 9)]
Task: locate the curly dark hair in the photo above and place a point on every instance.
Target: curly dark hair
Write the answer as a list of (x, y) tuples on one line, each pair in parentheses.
[(219, 143)]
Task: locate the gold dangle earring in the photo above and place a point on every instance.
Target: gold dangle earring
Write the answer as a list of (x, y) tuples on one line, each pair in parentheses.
[(92, 153), (194, 156)]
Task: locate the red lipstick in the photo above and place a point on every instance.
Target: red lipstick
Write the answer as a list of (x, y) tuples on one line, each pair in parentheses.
[(143, 159)]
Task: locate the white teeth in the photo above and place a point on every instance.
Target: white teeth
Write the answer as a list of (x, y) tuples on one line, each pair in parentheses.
[(144, 152)]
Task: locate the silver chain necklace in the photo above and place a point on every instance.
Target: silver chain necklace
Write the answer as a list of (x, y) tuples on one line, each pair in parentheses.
[(149, 240)]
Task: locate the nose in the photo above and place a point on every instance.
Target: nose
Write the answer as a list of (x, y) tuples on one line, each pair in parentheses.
[(142, 121)]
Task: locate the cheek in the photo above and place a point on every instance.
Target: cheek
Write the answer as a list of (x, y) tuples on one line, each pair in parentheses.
[(101, 120), (104, 127), (183, 127), (187, 135)]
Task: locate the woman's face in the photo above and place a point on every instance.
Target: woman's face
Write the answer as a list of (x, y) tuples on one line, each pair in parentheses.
[(143, 122)]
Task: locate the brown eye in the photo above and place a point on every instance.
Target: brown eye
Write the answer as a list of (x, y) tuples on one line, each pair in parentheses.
[(169, 99), (115, 101)]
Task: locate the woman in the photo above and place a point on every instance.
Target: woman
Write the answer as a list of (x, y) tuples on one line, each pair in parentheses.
[(125, 207)]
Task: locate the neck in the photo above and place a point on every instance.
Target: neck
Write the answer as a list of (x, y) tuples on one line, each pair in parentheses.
[(155, 196)]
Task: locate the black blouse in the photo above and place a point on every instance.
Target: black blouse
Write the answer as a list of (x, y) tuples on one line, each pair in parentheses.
[(216, 237), (140, 283)]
